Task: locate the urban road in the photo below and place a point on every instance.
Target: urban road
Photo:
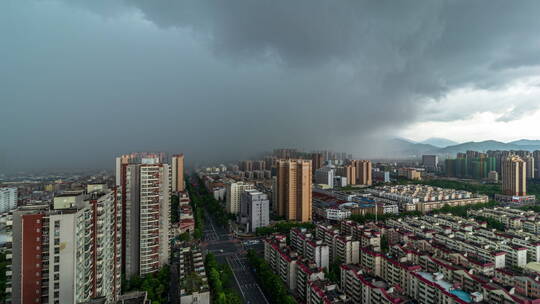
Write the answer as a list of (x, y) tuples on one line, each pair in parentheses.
[(230, 250)]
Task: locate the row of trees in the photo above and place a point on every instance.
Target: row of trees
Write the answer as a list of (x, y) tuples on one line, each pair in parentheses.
[(271, 284), (361, 219), (175, 209), (155, 284), (491, 223), (3, 277), (219, 280), (283, 228), (462, 210), (196, 206), (202, 197)]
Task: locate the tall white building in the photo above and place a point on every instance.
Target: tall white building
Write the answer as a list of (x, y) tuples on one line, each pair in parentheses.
[(233, 192), (69, 254), (325, 176), (144, 189), (8, 199), (255, 209)]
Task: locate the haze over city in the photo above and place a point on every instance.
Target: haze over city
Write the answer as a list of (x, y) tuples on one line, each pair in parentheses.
[(84, 80), (269, 152)]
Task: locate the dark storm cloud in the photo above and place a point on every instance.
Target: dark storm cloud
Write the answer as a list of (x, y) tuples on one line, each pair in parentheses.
[(221, 79)]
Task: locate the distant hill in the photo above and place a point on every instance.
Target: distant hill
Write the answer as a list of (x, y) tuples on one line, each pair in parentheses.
[(526, 142), (484, 146), (439, 142), (402, 148)]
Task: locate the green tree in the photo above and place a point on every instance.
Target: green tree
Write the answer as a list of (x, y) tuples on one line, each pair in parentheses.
[(3, 278), (271, 284), (175, 209)]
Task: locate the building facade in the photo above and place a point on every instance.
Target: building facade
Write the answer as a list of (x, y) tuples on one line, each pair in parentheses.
[(325, 176), (144, 189), (233, 193), (514, 176), (363, 172), (67, 255), (294, 188), (255, 209), (177, 173), (8, 199)]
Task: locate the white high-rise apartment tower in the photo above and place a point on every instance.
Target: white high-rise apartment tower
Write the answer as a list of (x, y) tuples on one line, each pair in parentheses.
[(70, 254), (233, 193), (144, 189), (8, 199)]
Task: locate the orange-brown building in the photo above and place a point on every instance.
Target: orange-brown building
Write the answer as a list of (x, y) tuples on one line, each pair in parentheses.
[(177, 165), (362, 172), (293, 183), (514, 176)]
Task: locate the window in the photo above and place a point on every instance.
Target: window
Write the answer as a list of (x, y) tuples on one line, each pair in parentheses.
[(57, 259), (56, 267)]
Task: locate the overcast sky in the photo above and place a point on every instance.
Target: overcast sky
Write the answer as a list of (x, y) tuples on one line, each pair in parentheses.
[(82, 81)]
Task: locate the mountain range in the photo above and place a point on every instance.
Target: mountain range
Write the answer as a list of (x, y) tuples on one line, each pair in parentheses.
[(403, 148)]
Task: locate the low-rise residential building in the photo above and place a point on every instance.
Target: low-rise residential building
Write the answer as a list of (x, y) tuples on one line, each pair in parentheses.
[(192, 276), (426, 198)]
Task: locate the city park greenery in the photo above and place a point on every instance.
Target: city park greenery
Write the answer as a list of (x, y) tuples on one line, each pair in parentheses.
[(155, 285), (219, 280), (271, 284)]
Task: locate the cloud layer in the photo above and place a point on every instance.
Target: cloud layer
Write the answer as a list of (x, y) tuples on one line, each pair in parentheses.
[(220, 80)]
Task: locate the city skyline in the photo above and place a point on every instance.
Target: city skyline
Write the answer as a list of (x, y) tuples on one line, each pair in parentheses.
[(99, 76)]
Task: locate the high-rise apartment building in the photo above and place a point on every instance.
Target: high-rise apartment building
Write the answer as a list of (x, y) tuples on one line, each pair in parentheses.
[(177, 173), (8, 199), (536, 155), (362, 172), (350, 174), (325, 176), (233, 192), (530, 164), (317, 161), (144, 188), (67, 255), (254, 208), (259, 165), (514, 176), (285, 153), (294, 186), (430, 162), (246, 165)]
